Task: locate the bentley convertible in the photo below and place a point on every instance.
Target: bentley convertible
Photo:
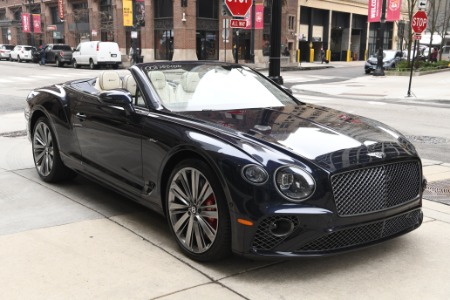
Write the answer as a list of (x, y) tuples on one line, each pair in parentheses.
[(234, 161)]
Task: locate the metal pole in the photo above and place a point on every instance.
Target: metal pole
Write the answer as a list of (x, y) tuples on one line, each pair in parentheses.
[(252, 40), (275, 43), (412, 66), (379, 71)]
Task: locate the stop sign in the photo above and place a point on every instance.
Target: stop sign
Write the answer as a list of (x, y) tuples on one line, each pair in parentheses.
[(419, 21), (238, 8)]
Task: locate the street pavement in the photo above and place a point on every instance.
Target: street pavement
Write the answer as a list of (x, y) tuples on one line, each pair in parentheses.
[(78, 240)]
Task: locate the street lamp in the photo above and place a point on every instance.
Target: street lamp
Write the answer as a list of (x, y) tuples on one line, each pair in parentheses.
[(379, 71)]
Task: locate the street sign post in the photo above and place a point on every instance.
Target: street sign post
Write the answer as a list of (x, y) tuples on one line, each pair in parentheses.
[(238, 8), (419, 21)]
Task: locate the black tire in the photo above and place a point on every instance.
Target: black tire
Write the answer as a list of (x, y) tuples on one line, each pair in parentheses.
[(75, 64), (10, 58), (367, 71), (47, 159), (18, 58), (59, 64), (201, 229), (92, 65)]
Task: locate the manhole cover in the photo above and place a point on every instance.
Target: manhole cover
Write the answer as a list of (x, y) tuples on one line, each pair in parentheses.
[(431, 140), (438, 191)]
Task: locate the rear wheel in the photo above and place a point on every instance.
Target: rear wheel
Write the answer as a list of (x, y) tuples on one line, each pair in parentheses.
[(91, 65), (59, 64), (19, 59), (197, 211), (46, 154)]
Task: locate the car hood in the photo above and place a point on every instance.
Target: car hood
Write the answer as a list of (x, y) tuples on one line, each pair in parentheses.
[(331, 138)]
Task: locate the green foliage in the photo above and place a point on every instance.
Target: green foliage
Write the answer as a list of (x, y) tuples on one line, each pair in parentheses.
[(405, 65)]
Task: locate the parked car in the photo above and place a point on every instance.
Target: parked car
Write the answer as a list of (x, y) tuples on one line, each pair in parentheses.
[(59, 54), (96, 54), (445, 53), (21, 53), (5, 49), (233, 161), (390, 59)]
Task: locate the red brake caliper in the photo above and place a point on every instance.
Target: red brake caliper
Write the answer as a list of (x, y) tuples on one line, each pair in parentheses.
[(211, 201)]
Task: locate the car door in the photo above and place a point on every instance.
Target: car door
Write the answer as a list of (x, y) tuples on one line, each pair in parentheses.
[(110, 143)]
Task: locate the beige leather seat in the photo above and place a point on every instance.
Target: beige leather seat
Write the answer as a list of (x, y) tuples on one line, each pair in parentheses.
[(164, 90), (129, 84), (187, 86), (108, 80)]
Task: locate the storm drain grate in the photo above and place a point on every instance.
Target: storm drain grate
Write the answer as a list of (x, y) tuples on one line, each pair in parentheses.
[(438, 191)]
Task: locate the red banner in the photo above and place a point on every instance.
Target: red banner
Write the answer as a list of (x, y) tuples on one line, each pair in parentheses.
[(393, 10), (374, 10), (259, 17), (61, 9), (25, 22), (37, 23)]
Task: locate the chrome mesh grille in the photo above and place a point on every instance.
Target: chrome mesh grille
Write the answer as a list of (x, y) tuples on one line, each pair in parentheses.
[(264, 239), (374, 189), (364, 234)]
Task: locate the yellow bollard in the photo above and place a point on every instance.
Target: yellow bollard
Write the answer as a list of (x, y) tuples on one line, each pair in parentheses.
[(349, 54), (311, 55)]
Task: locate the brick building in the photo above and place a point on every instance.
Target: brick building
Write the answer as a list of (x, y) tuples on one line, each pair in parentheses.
[(194, 29)]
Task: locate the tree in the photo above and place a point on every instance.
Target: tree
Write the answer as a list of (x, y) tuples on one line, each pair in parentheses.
[(443, 23)]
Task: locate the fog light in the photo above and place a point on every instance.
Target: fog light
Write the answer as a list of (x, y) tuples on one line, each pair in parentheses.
[(281, 227)]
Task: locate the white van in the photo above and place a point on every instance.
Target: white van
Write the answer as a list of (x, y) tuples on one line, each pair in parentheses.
[(96, 53)]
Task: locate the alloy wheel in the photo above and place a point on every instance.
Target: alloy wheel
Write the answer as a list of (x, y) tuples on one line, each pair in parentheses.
[(193, 210), (43, 151)]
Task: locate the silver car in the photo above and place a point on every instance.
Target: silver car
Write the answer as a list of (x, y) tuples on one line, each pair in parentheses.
[(390, 59), (21, 53), (5, 49)]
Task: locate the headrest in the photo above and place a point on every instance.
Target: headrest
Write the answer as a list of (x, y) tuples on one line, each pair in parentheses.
[(109, 80), (158, 79), (189, 81), (129, 84)]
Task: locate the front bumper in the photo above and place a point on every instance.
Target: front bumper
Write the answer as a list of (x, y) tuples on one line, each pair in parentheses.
[(306, 240)]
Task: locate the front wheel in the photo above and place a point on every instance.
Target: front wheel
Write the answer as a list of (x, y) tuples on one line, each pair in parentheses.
[(46, 154), (197, 211), (75, 64)]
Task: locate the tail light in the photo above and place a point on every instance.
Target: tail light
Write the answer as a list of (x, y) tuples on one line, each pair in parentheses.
[(61, 53), (98, 47)]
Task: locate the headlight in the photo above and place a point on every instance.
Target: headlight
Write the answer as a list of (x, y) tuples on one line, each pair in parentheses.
[(294, 183), (254, 174)]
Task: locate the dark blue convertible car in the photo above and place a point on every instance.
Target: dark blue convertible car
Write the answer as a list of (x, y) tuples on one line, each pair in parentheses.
[(234, 161)]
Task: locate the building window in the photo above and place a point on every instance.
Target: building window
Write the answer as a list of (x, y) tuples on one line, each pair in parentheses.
[(163, 24), (208, 9), (106, 21), (291, 22)]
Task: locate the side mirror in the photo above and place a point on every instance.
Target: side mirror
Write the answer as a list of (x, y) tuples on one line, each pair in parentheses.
[(118, 97)]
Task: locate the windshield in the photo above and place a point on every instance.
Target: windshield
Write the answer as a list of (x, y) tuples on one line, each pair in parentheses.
[(197, 87)]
